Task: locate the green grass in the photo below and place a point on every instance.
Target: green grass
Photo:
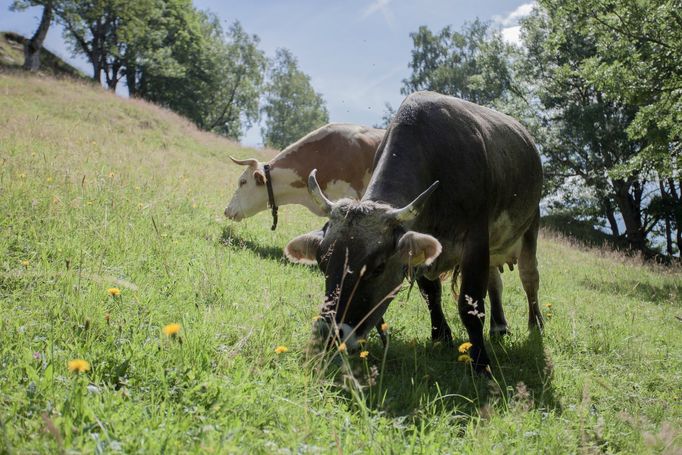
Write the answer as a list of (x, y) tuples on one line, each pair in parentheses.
[(12, 58), (99, 192)]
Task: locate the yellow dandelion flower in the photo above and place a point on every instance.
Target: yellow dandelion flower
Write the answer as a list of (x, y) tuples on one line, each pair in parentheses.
[(111, 175), (364, 354), (464, 347), (464, 358), (342, 347), (78, 366), (49, 180), (384, 327), (114, 292), (281, 349), (171, 330), (22, 175), (549, 315), (25, 263), (548, 305)]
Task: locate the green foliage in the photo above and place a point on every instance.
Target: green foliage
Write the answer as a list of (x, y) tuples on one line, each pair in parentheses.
[(291, 105), (108, 33), (588, 60), (472, 64), (216, 78), (108, 192), (639, 47), (238, 69)]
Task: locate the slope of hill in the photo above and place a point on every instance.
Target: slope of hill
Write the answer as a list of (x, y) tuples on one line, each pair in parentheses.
[(99, 192), (12, 56)]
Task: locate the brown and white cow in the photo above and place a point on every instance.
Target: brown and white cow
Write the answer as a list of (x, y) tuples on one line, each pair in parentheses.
[(342, 154)]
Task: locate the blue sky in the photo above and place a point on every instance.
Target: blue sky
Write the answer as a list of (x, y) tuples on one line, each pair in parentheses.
[(356, 52)]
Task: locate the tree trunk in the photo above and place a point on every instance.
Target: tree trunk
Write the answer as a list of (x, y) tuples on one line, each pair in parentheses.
[(631, 212), (677, 213), (33, 46), (611, 217), (131, 78), (668, 229)]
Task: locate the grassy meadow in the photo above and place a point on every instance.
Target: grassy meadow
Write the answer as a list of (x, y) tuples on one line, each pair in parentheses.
[(98, 192)]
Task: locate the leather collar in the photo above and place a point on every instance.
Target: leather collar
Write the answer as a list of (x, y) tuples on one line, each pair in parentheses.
[(271, 196)]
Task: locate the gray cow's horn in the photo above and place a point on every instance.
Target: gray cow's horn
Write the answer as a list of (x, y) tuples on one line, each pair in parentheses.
[(249, 162), (317, 194), (411, 210)]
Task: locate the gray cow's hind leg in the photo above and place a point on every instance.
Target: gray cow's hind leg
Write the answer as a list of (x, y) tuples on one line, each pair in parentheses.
[(528, 272), (498, 323)]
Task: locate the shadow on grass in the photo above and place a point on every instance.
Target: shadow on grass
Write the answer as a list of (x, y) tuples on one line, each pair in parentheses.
[(646, 292), (420, 378), (232, 239)]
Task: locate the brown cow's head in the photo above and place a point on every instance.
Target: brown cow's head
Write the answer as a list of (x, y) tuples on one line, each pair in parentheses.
[(251, 195), (362, 252)]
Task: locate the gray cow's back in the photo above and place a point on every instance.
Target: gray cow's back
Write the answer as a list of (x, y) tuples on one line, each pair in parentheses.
[(485, 161)]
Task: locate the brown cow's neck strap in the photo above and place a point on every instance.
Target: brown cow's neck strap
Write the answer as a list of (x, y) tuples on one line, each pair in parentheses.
[(271, 196)]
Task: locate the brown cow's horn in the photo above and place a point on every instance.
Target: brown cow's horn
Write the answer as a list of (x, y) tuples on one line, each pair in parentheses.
[(252, 162), (317, 194), (411, 210)]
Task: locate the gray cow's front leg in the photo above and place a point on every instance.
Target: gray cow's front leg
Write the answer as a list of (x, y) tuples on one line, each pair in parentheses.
[(431, 290), (474, 266)]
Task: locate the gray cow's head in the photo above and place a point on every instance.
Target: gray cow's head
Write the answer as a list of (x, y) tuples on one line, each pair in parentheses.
[(362, 251)]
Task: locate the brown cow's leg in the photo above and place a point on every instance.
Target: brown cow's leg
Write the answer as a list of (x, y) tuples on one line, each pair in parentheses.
[(474, 266), (498, 323), (528, 271), (431, 290)]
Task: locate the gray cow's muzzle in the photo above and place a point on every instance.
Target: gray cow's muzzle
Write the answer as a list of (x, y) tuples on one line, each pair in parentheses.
[(329, 332)]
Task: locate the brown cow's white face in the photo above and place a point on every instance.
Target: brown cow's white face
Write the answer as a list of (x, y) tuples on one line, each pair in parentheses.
[(251, 195)]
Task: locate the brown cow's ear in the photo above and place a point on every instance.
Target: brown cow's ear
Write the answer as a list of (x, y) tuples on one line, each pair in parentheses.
[(259, 177), (303, 249), (417, 249)]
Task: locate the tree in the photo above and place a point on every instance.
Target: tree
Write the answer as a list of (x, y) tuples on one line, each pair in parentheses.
[(472, 64), (638, 50), (34, 45), (215, 79), (292, 106), (104, 31), (239, 67), (598, 70), (588, 138)]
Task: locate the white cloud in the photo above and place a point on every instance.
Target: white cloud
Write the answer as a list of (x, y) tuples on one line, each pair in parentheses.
[(512, 18), (512, 34)]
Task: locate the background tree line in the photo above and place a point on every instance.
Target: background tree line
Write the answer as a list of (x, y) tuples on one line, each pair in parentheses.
[(170, 53), (599, 84)]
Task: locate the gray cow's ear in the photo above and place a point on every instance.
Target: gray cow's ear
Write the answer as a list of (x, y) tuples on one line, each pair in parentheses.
[(303, 249), (417, 249)]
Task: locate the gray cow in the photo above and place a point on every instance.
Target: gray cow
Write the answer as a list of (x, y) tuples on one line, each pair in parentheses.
[(480, 211)]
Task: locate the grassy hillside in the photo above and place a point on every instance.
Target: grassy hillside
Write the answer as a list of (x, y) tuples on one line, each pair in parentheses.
[(99, 192), (12, 57)]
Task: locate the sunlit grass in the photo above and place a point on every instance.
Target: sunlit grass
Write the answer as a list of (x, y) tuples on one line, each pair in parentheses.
[(204, 346)]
